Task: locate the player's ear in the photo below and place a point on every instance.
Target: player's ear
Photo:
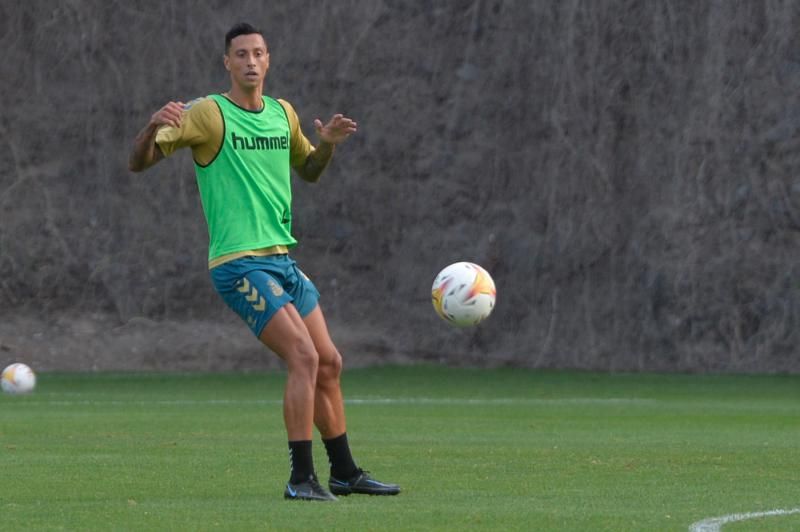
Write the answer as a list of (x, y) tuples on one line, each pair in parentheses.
[(227, 62)]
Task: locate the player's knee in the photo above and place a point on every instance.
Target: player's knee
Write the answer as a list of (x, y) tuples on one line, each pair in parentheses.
[(330, 366), (303, 356), (335, 364)]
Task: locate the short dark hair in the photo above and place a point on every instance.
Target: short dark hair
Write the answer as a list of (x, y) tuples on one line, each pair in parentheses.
[(242, 28)]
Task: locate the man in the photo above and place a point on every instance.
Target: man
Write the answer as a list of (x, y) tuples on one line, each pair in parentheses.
[(244, 144)]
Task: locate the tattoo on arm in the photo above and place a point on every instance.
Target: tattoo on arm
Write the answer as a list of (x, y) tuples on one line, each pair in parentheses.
[(316, 162), (145, 151)]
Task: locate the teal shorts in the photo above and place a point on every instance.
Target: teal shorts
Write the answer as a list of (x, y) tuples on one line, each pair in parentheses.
[(257, 287)]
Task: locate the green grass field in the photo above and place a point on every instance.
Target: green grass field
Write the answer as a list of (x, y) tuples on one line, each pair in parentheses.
[(472, 449)]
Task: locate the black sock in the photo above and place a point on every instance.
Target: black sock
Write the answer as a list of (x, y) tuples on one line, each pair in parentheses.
[(342, 464), (301, 460)]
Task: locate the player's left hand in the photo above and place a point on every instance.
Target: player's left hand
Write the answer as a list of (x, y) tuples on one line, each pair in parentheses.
[(338, 128)]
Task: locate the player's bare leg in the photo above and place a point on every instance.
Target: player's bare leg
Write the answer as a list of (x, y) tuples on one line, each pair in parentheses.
[(328, 402), (287, 336)]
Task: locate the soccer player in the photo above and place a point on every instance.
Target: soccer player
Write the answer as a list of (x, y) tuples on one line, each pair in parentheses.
[(244, 145)]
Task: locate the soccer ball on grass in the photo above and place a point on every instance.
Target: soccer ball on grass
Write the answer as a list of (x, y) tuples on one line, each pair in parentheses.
[(18, 378), (463, 294)]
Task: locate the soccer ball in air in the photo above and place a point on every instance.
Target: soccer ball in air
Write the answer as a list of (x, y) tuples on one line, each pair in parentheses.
[(463, 294), (18, 378)]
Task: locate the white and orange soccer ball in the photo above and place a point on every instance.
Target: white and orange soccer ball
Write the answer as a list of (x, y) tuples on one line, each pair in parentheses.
[(18, 378), (463, 294)]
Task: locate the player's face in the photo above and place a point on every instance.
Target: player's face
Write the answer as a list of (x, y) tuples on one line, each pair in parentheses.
[(247, 60)]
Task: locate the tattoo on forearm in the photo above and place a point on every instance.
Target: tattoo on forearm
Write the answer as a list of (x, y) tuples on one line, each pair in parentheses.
[(316, 163), (145, 152)]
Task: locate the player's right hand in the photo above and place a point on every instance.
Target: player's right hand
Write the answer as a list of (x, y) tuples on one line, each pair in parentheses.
[(169, 115)]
